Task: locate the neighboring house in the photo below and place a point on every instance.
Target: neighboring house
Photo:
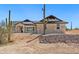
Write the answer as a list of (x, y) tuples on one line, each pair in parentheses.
[(53, 25)]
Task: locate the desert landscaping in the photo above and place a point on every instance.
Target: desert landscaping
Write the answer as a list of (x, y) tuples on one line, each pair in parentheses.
[(25, 43), (49, 35)]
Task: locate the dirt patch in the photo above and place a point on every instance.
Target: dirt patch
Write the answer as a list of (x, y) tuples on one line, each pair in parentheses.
[(34, 47), (74, 32)]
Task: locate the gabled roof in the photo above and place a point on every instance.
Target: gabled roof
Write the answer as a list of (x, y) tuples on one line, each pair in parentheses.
[(26, 22), (48, 19), (52, 19)]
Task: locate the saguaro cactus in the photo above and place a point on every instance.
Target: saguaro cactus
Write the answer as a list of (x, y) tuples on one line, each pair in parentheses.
[(6, 23), (9, 26), (6, 31)]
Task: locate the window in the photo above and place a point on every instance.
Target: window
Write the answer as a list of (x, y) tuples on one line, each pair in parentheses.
[(58, 26), (30, 29)]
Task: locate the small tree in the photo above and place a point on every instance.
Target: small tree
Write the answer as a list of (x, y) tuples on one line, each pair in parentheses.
[(76, 28)]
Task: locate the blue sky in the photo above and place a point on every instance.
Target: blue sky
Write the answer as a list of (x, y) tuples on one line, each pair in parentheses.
[(19, 12)]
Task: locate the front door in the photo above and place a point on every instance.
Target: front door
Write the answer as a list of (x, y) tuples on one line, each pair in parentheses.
[(20, 29)]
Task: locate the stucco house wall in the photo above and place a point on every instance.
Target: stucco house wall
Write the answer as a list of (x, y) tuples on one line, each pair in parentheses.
[(17, 27), (40, 28), (50, 28)]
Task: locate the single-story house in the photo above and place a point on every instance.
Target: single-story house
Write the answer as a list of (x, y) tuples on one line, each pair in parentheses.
[(52, 25)]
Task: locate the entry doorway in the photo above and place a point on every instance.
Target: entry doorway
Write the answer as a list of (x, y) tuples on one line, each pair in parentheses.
[(20, 29)]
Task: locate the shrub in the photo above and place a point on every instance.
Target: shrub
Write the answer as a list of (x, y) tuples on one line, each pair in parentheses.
[(3, 35)]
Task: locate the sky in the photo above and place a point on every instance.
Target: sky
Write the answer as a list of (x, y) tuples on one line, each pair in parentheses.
[(33, 12)]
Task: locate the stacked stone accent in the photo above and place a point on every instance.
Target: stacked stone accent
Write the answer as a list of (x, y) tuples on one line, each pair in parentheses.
[(59, 38)]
